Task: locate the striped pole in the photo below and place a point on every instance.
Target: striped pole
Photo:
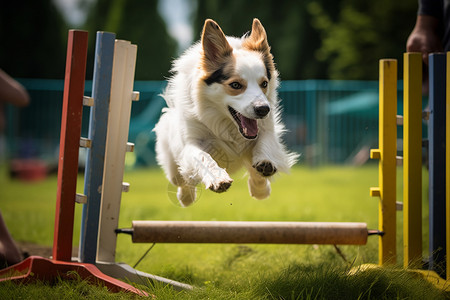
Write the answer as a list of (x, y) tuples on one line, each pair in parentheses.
[(98, 123), (387, 161), (412, 159), (69, 144)]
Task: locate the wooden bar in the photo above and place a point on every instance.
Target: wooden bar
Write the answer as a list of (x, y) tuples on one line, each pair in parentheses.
[(95, 159), (387, 152), (69, 144), (436, 161), (329, 233), (412, 160), (116, 147)]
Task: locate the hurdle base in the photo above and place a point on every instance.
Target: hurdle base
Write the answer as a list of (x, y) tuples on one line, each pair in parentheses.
[(125, 272), (36, 268), (431, 276)]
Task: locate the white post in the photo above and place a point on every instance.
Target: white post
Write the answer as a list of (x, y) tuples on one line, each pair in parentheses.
[(116, 147)]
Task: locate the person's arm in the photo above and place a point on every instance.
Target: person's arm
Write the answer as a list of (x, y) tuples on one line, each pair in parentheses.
[(11, 91)]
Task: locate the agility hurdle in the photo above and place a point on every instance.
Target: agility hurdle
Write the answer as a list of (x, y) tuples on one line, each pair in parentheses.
[(61, 265), (102, 247), (439, 214)]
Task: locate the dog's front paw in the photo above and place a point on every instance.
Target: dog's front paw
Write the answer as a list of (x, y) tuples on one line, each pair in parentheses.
[(265, 168), (220, 184)]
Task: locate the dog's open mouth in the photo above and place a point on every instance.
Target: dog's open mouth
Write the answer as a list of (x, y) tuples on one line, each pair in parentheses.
[(247, 127)]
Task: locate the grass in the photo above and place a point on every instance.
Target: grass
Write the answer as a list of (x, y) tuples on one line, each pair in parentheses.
[(229, 271)]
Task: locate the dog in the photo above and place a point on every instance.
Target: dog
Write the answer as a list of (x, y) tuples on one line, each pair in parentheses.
[(223, 114)]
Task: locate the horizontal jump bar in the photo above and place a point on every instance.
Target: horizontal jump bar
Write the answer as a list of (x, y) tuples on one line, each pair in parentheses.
[(329, 233)]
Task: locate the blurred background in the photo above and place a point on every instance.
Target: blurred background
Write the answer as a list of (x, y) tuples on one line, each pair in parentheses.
[(327, 53)]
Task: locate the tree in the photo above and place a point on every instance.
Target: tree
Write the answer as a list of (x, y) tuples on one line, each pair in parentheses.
[(363, 33), (33, 36), (329, 39), (288, 27), (137, 21)]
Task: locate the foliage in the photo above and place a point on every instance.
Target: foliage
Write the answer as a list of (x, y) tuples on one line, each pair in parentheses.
[(287, 23), (322, 39), (137, 21), (33, 36), (363, 33), (341, 39)]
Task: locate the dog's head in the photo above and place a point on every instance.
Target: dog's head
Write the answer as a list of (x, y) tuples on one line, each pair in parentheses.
[(239, 73)]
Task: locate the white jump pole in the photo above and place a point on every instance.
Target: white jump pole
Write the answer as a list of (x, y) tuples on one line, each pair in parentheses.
[(116, 147)]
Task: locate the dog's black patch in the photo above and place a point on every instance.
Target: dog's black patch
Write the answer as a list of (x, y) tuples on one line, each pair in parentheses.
[(217, 77), (267, 65)]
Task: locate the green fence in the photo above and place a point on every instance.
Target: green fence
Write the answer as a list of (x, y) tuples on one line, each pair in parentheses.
[(327, 121)]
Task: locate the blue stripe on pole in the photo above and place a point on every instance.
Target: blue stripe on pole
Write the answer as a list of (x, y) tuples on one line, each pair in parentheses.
[(98, 124), (436, 137)]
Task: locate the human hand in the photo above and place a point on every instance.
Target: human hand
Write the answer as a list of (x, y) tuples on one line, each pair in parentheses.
[(425, 37)]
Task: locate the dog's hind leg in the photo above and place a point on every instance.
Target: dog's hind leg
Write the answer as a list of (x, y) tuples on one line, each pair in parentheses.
[(258, 186), (186, 195)]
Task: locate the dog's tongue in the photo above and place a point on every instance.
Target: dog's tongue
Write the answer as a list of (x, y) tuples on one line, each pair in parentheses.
[(249, 126)]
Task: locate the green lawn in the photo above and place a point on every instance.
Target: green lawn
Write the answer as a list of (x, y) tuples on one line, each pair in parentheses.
[(232, 271)]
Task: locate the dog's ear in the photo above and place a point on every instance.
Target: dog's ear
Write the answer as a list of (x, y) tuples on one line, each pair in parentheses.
[(257, 40), (216, 48)]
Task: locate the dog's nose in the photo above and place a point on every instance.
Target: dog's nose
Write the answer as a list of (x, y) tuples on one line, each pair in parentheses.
[(262, 110)]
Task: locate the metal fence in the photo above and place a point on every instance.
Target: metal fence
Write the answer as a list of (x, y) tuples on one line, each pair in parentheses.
[(327, 121)]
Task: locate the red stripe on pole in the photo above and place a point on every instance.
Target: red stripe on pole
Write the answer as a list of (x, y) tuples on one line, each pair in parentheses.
[(69, 143)]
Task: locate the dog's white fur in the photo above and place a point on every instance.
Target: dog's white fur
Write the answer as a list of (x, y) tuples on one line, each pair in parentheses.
[(198, 140)]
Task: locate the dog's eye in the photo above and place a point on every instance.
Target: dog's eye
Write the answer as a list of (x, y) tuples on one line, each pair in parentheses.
[(264, 84), (236, 85)]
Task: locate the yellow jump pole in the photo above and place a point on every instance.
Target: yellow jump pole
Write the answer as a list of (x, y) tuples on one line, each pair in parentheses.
[(387, 166), (412, 160), (447, 168)]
